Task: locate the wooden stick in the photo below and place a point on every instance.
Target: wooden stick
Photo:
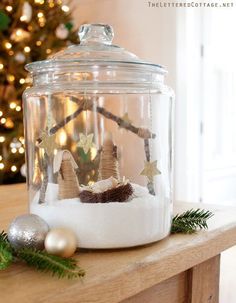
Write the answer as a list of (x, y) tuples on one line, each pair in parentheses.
[(45, 179)]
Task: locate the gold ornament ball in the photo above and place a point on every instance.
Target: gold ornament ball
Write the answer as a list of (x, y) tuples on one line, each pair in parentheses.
[(61, 242)]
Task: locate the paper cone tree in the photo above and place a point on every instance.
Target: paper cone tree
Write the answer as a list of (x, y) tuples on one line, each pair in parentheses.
[(109, 166), (65, 166)]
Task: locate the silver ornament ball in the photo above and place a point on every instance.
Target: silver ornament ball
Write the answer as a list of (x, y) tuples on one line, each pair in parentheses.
[(28, 231), (61, 242)]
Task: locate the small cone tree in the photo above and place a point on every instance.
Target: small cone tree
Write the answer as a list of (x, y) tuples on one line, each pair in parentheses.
[(109, 166), (67, 178)]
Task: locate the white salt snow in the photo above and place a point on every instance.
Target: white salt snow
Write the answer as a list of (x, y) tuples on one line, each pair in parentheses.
[(142, 220)]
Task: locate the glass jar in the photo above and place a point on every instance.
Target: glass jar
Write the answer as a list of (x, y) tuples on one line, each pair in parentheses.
[(98, 130)]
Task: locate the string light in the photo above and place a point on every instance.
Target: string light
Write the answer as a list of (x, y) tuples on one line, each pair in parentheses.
[(1, 66), (9, 123), (9, 8), (23, 18), (3, 120), (21, 150), (1, 113), (1, 166), (2, 139), (42, 21), (11, 53), (12, 105), (22, 81), (13, 150), (38, 43), (0, 158), (40, 14), (8, 45), (18, 108), (48, 51), (51, 4), (65, 8), (39, 2), (27, 49), (13, 168), (10, 78)]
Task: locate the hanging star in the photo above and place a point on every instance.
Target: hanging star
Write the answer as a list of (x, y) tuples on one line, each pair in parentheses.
[(86, 142), (48, 143), (150, 170), (125, 120)]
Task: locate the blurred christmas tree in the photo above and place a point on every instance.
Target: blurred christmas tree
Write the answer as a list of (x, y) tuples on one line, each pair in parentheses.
[(29, 31)]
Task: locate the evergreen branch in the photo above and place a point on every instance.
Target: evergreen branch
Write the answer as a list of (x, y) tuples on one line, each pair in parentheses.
[(45, 262), (6, 252), (191, 220)]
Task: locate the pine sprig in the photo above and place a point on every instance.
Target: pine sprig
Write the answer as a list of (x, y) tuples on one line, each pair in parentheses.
[(6, 252), (41, 260), (45, 262), (191, 220)]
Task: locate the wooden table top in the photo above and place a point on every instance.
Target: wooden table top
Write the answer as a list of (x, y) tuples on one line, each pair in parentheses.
[(113, 275)]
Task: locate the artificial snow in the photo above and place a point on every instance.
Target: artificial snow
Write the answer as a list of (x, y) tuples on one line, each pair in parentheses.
[(143, 219)]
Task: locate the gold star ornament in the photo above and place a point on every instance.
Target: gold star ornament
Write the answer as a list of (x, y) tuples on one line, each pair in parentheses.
[(48, 143), (86, 142), (150, 170)]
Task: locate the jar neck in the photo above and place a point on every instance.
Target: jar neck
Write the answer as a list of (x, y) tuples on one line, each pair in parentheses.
[(95, 77)]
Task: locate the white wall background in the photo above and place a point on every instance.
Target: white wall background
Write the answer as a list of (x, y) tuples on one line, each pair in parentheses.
[(147, 32)]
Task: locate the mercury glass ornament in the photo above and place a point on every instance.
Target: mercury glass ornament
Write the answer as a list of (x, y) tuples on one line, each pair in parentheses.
[(28, 231), (61, 242)]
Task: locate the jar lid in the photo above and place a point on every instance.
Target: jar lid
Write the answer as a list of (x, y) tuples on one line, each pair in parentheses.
[(95, 49)]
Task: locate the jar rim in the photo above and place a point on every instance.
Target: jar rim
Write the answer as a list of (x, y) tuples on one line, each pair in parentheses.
[(51, 65)]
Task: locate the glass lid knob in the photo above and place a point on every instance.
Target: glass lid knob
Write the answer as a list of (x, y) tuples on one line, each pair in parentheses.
[(98, 33)]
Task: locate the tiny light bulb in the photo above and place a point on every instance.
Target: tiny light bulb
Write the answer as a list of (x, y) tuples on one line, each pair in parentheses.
[(12, 105), (65, 8), (22, 81), (27, 49), (1, 113), (9, 8), (13, 150), (1, 66), (48, 51), (21, 150), (13, 168), (19, 32), (40, 15), (18, 108), (38, 43), (10, 78), (3, 120), (0, 158), (8, 45), (1, 166), (2, 139), (23, 18)]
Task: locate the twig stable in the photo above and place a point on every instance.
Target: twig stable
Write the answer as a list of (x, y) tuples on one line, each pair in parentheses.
[(87, 104)]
